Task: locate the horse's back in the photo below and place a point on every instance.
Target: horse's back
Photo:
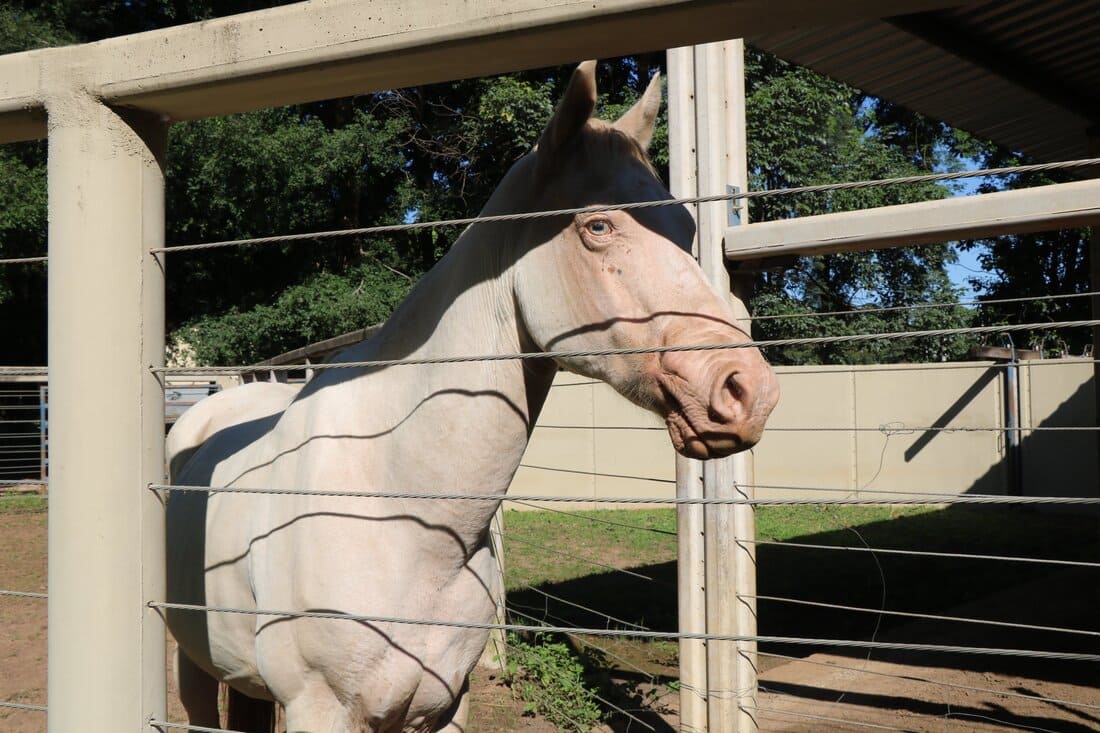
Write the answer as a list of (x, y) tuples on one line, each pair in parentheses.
[(232, 415)]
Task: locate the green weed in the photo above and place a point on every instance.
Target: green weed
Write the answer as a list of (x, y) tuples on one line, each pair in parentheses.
[(550, 678)]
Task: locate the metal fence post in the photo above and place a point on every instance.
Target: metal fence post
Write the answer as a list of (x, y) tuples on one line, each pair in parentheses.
[(106, 329), (43, 432)]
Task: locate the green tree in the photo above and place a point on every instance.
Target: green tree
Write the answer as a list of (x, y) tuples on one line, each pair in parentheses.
[(436, 152), (805, 129), (23, 210), (1036, 265)]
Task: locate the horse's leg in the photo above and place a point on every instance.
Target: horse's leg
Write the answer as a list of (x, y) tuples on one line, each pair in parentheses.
[(455, 719), (198, 692), (315, 709), (249, 715)]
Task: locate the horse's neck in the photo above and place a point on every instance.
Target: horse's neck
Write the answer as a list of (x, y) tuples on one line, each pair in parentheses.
[(441, 427)]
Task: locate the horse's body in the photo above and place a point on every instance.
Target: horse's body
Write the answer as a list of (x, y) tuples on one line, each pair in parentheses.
[(614, 279)]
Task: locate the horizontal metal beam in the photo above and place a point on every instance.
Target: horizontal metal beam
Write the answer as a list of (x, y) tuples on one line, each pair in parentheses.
[(321, 349), (1003, 353), (322, 50), (1058, 206)]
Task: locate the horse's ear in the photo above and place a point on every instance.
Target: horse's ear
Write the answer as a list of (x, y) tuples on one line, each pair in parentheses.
[(572, 112), (638, 121)]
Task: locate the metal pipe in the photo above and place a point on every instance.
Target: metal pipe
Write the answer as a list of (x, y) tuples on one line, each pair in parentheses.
[(1013, 456), (43, 451)]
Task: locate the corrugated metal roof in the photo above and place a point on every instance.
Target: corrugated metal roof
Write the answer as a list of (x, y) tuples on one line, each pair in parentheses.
[(1024, 73)]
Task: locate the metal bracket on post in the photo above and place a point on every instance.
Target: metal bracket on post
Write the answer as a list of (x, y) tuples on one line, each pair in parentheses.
[(733, 206)]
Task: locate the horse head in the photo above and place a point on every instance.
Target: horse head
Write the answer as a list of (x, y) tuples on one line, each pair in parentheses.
[(629, 280)]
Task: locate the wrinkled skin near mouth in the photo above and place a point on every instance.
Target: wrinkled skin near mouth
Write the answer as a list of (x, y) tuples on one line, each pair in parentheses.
[(719, 415)]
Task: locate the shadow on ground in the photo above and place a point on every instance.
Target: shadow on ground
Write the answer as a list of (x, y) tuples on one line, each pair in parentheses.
[(1061, 596)]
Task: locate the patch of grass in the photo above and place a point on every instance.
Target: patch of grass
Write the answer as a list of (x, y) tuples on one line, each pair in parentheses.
[(786, 523), (552, 547), (22, 503)]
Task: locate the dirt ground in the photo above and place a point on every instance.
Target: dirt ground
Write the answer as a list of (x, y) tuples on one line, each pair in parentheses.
[(840, 692)]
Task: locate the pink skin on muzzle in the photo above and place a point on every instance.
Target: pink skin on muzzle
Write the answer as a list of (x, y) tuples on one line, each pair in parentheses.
[(716, 402)]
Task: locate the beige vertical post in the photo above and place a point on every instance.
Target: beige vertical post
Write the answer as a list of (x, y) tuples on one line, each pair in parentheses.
[(106, 329), (731, 576), (717, 80), (691, 590), (743, 545)]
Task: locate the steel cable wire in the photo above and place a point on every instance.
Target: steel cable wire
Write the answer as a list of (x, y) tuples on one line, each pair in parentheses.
[(465, 221), (924, 553), (164, 726), (925, 680), (736, 196), (21, 594), (636, 633), (574, 354), (925, 616), (599, 520), (933, 499), (822, 718), (23, 706), (919, 306), (583, 607)]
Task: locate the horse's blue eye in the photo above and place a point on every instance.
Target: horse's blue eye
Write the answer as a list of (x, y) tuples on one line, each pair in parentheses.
[(598, 227)]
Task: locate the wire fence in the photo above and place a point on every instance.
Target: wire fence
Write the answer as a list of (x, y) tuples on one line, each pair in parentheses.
[(522, 216), (375, 620), (617, 627), (582, 353), (912, 498), (614, 626), (23, 434)]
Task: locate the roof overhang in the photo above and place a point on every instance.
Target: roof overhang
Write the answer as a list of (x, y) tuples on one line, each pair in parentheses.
[(320, 50), (1023, 73)]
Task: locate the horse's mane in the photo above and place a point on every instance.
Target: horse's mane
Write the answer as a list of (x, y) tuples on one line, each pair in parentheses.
[(602, 140)]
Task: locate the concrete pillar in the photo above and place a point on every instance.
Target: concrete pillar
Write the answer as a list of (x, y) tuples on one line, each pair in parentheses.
[(106, 329), (730, 530), (691, 568), (707, 94)]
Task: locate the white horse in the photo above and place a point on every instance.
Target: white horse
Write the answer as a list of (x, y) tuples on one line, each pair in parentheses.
[(616, 279)]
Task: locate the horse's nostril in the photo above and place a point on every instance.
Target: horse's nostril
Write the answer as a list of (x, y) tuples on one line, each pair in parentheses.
[(735, 389)]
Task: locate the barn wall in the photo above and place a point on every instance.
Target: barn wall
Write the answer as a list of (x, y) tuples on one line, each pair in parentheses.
[(838, 428)]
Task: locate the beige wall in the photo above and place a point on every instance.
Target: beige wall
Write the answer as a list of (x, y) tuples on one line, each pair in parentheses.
[(1060, 463), (838, 428)]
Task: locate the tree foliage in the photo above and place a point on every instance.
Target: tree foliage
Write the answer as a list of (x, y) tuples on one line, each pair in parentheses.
[(437, 152), (806, 129), (1036, 265)]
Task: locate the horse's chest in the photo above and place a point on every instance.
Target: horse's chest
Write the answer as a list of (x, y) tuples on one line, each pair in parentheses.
[(378, 564)]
